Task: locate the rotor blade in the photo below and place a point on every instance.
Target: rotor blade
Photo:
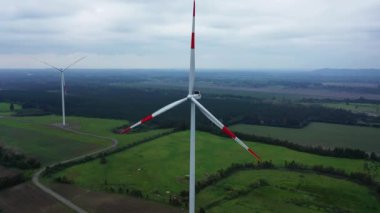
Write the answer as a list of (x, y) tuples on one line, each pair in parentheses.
[(224, 128), (78, 60), (56, 68), (192, 55), (155, 114)]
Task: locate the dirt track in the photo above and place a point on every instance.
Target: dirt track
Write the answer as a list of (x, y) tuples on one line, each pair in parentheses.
[(110, 202), (57, 196), (28, 198)]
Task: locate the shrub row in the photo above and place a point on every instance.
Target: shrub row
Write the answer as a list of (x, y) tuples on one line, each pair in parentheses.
[(11, 158), (9, 181), (319, 150)]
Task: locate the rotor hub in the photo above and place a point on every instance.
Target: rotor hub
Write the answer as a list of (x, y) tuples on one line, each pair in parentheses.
[(197, 95)]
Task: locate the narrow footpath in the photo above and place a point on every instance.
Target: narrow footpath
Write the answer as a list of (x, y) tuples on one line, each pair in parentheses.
[(60, 198)]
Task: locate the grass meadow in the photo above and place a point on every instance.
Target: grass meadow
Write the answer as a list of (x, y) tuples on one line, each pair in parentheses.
[(46, 143), (290, 191), (160, 167), (99, 126), (37, 137)]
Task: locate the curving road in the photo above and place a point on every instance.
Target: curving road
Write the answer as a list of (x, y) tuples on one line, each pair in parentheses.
[(54, 194)]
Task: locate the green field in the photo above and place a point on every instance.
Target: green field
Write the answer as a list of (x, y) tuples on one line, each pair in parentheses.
[(320, 134), (37, 137), (4, 108), (98, 126), (160, 168), (287, 192), (46, 143), (370, 109)]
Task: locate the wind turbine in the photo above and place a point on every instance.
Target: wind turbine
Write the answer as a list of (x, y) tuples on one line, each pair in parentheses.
[(63, 86), (193, 96)]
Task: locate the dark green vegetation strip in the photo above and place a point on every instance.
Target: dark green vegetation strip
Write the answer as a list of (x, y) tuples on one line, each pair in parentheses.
[(10, 158), (99, 97), (322, 134), (12, 180)]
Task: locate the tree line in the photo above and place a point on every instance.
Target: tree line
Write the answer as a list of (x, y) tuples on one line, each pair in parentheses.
[(338, 152), (12, 180), (133, 103), (319, 150), (11, 158), (358, 177)]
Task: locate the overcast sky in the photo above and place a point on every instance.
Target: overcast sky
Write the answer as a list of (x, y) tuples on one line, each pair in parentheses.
[(241, 34)]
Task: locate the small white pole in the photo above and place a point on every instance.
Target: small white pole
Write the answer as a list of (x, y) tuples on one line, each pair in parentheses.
[(63, 98)]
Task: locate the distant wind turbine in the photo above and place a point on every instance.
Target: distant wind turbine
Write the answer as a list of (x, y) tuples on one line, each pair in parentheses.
[(63, 85), (192, 97)]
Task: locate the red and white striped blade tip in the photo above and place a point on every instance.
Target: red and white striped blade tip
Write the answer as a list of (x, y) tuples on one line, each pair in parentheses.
[(146, 119), (233, 136), (254, 154), (194, 8), (125, 131)]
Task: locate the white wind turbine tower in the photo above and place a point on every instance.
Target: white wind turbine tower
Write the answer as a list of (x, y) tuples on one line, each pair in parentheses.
[(192, 97), (63, 86)]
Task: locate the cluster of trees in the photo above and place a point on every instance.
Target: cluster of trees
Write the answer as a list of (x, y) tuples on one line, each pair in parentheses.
[(12, 180), (180, 200), (332, 152), (11, 107), (11, 158), (63, 179), (124, 190)]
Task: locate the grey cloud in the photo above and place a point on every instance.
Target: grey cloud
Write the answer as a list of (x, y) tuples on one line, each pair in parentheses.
[(241, 33)]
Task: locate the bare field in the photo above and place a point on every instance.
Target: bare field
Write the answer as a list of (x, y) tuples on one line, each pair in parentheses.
[(107, 202), (4, 172), (28, 198)]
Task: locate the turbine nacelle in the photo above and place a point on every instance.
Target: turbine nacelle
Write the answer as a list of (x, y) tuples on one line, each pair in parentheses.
[(196, 95)]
